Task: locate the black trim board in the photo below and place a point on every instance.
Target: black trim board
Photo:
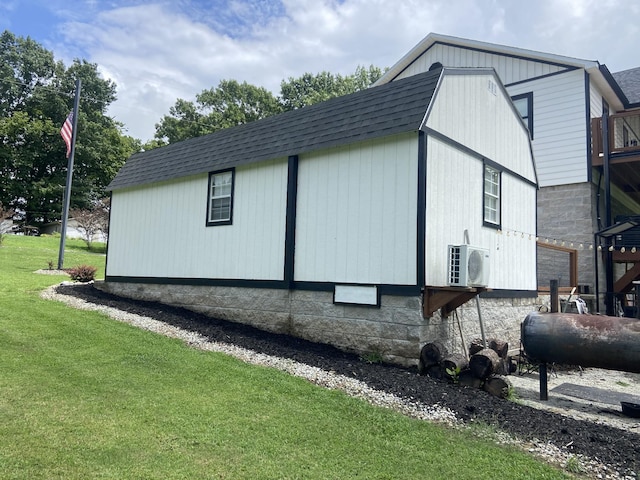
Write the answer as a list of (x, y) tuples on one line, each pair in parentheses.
[(209, 282), (385, 289), (290, 230), (422, 209), (491, 52), (613, 83), (473, 153), (540, 77), (587, 102)]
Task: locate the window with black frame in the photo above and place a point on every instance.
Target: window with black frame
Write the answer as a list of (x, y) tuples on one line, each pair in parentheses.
[(220, 200), (524, 105)]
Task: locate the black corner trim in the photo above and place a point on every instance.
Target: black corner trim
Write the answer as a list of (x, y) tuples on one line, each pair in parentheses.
[(422, 208), (290, 232)]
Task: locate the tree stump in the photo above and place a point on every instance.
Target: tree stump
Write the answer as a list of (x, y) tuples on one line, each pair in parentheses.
[(497, 386), (500, 347), (484, 363), (432, 354), (454, 364), (467, 379), (475, 346), (435, 371)]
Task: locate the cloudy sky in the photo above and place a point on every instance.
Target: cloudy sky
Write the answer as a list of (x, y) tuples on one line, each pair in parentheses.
[(158, 51)]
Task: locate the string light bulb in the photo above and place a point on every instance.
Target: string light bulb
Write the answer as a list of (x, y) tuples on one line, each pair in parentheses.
[(633, 249), (611, 248), (622, 249)]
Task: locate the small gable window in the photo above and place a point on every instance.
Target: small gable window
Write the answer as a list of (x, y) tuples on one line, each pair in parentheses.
[(491, 201), (220, 201), (524, 105)]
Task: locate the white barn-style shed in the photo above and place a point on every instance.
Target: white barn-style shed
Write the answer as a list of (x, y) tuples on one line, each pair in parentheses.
[(333, 222), (564, 102)]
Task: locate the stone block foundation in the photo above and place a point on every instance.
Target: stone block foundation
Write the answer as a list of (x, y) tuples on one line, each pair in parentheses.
[(396, 331)]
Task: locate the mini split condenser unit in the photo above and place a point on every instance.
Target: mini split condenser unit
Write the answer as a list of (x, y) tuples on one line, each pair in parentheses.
[(468, 266)]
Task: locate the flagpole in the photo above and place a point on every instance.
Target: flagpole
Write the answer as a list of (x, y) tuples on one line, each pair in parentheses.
[(67, 190)]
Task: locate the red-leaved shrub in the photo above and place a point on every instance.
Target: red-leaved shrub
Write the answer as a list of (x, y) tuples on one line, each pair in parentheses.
[(82, 273)]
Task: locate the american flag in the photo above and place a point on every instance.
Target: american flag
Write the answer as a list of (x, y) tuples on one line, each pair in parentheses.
[(67, 132)]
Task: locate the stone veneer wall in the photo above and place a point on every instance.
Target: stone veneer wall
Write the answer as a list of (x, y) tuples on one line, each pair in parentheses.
[(566, 212), (396, 330)]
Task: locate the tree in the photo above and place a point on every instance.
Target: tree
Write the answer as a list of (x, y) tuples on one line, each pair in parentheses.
[(36, 95), (309, 89), (5, 223), (92, 221), (233, 103)]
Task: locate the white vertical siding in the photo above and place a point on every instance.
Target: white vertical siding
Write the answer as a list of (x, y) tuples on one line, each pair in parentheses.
[(356, 213), (454, 204), (509, 69), (560, 127), (467, 111), (159, 230)]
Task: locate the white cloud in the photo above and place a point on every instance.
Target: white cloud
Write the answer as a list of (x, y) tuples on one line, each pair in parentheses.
[(158, 52)]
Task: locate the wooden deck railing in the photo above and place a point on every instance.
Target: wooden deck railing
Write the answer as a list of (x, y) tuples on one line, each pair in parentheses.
[(624, 135)]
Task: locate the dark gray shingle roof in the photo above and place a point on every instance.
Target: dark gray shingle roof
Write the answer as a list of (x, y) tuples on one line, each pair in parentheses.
[(392, 108), (629, 81)]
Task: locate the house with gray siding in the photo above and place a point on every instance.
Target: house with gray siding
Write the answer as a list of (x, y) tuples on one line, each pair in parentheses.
[(362, 221), (562, 101)]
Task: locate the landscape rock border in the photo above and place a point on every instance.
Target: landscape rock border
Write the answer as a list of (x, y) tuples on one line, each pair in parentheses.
[(601, 451)]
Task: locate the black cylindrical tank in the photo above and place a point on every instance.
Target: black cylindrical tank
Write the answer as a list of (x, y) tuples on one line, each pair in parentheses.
[(599, 341)]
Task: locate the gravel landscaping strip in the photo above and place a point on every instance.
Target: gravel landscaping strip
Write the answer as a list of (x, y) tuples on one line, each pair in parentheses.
[(589, 449)]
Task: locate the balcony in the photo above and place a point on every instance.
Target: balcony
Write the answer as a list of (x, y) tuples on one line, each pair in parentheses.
[(624, 150)]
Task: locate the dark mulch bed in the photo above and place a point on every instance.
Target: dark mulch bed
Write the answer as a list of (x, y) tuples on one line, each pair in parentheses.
[(610, 445)]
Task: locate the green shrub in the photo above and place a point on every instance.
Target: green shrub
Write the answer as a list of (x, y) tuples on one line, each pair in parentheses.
[(82, 273)]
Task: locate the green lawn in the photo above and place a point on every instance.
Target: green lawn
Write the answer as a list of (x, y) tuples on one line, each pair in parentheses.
[(83, 396)]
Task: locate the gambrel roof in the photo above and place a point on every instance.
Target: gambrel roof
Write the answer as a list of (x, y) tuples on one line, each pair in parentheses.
[(375, 112)]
